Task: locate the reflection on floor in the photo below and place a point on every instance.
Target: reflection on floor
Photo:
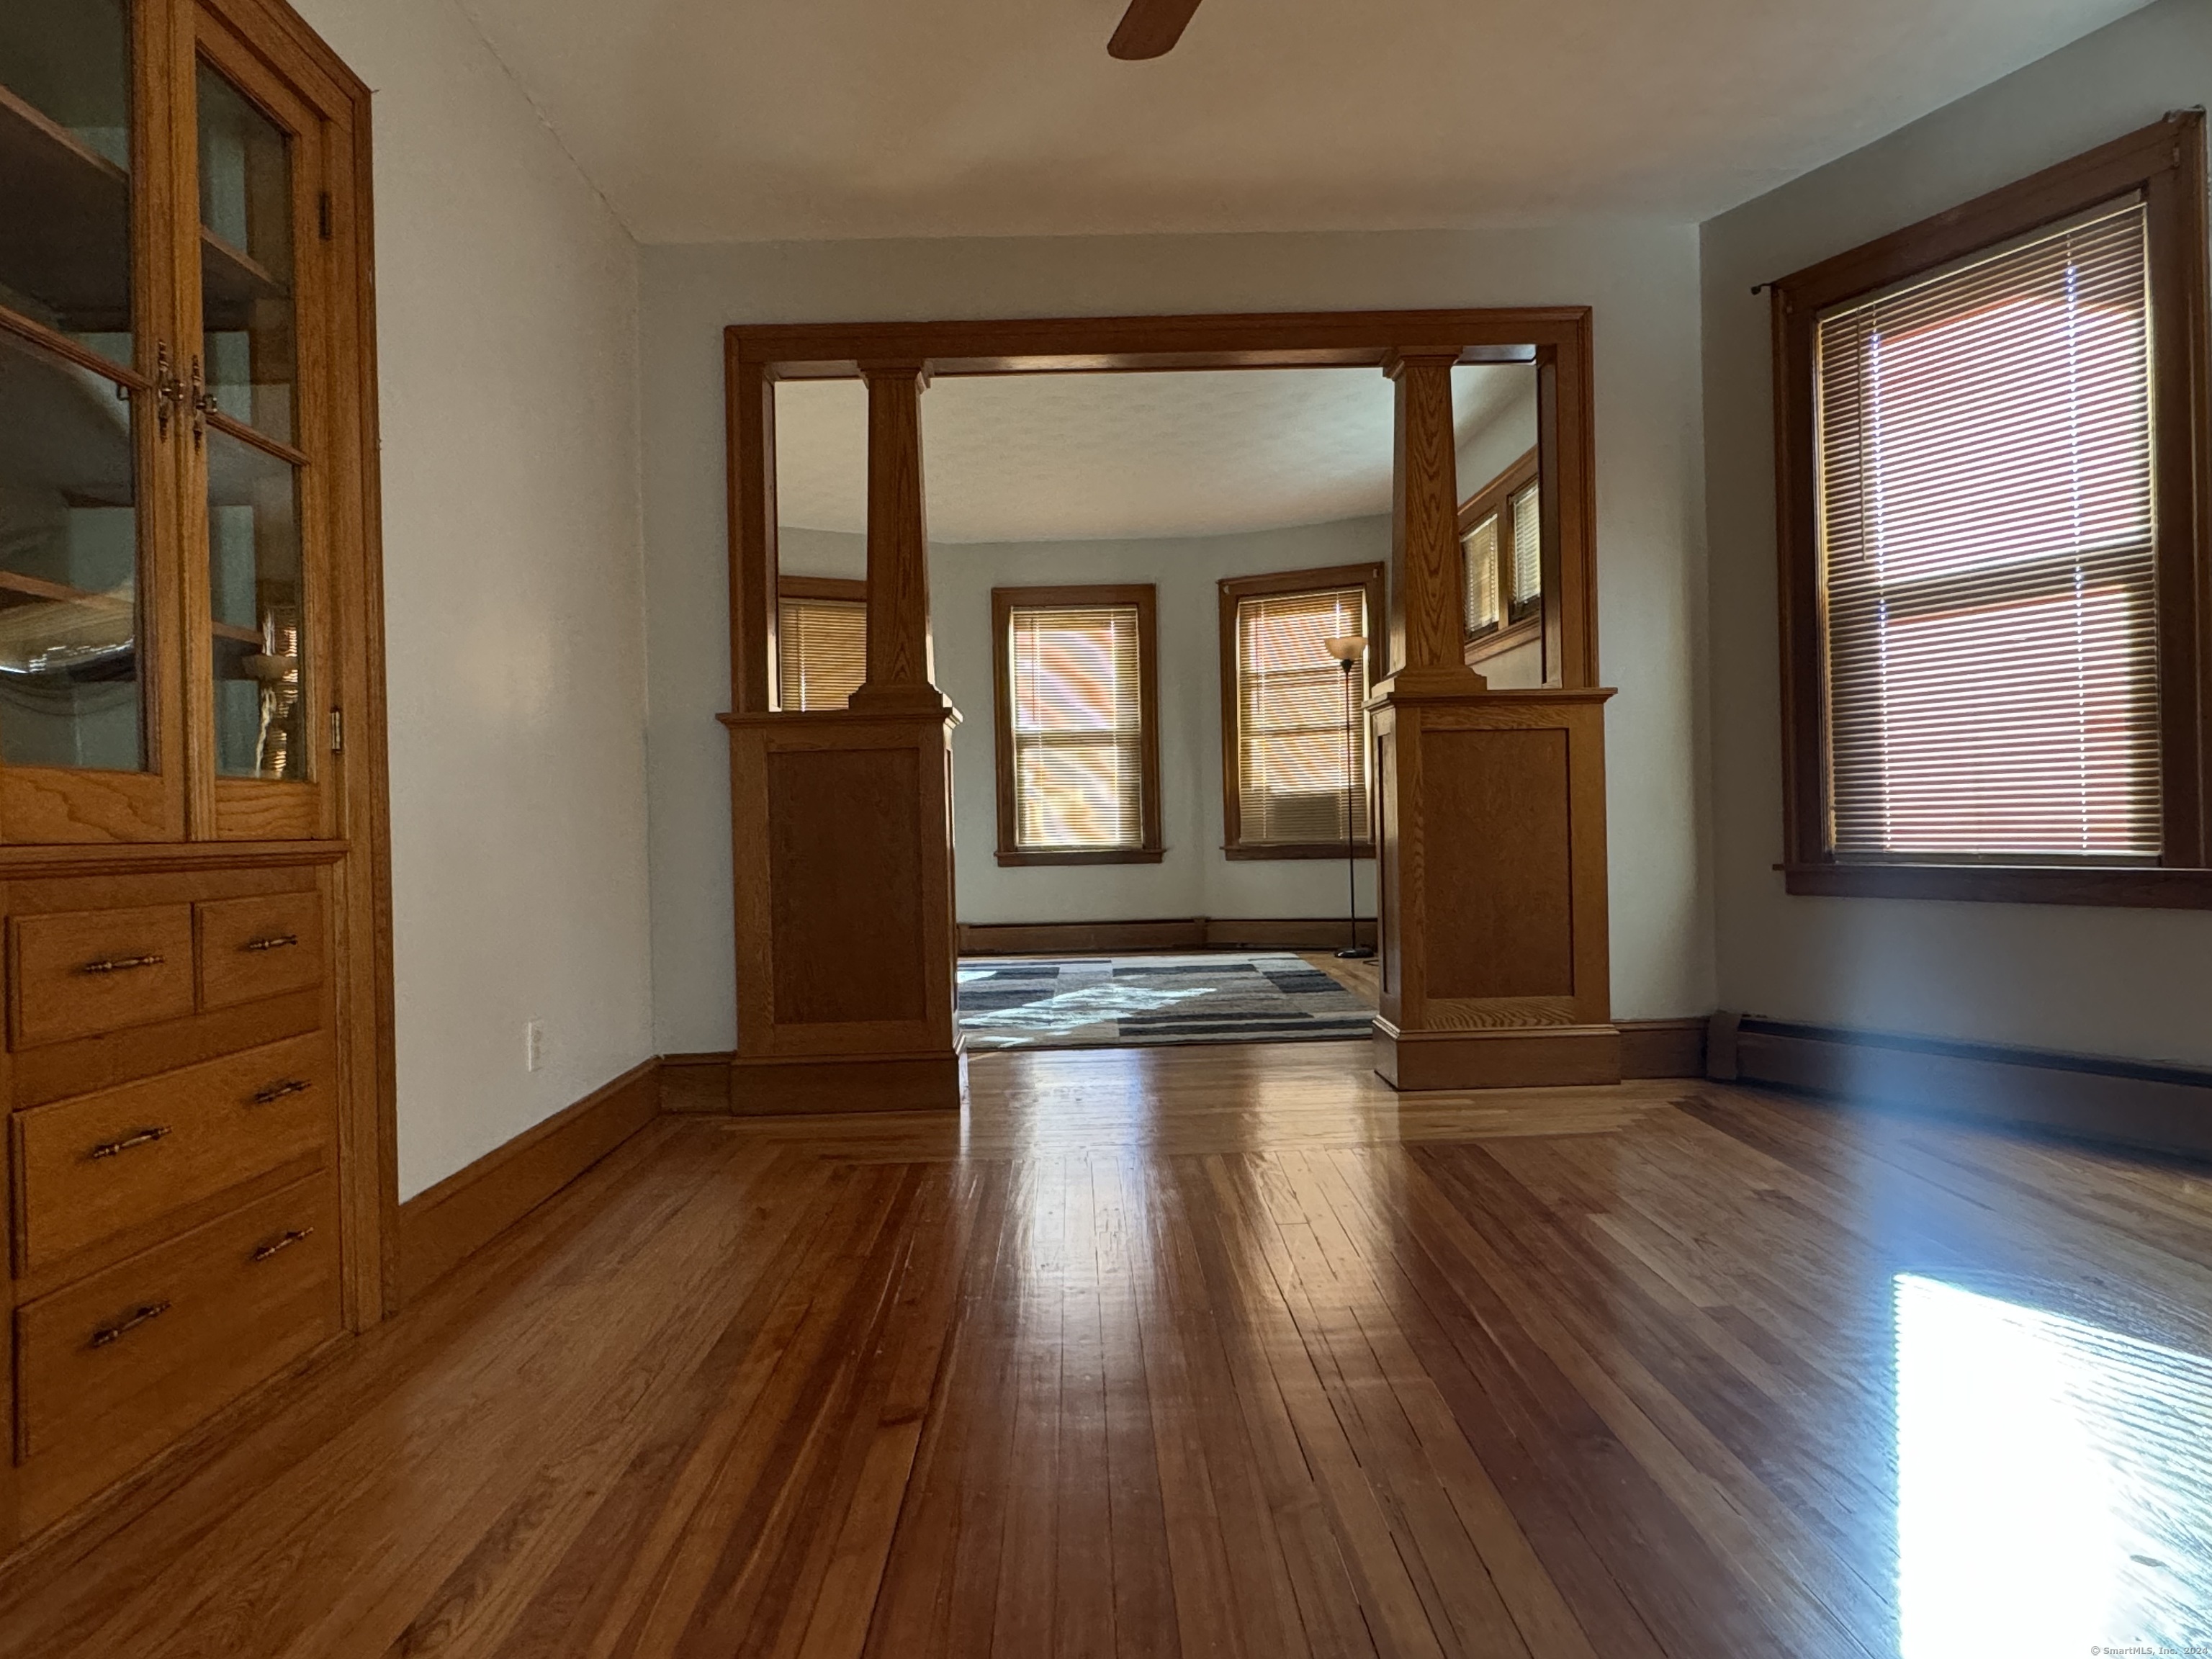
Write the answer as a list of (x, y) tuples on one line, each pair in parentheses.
[(1210, 996), (1230, 1351)]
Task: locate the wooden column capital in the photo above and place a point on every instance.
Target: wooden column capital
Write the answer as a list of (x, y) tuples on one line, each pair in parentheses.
[(901, 675), (1426, 631)]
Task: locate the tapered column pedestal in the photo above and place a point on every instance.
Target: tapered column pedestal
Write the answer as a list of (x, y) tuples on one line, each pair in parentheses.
[(843, 863), (1493, 873)]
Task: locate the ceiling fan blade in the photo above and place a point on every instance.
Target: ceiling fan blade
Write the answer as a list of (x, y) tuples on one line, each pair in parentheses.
[(1150, 27)]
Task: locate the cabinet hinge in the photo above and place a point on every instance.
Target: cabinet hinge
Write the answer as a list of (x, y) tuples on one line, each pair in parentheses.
[(323, 212), (337, 731)]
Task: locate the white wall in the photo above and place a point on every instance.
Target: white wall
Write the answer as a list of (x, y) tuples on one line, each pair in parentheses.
[(2129, 983), (508, 311), (1642, 281), (1195, 879)]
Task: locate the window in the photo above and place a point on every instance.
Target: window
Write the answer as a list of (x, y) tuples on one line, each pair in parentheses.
[(1077, 705), (1990, 545), (1283, 750), (821, 641), (1501, 536)]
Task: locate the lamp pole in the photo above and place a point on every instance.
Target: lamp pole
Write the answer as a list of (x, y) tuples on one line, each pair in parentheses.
[(1348, 649)]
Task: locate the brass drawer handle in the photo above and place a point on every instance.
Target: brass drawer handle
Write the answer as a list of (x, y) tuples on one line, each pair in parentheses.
[(122, 1328), (262, 1252), (122, 964), (137, 1138), (274, 942), (290, 1085)]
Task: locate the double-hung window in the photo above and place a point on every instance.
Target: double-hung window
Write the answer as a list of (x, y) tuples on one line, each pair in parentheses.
[(821, 641), (1078, 739), (1501, 538), (1293, 739), (1990, 542)]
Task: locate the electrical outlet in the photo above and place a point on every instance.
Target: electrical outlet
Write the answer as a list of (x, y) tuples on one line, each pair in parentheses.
[(533, 1044)]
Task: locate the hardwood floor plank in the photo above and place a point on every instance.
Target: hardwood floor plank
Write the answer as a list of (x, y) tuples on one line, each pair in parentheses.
[(1182, 1354)]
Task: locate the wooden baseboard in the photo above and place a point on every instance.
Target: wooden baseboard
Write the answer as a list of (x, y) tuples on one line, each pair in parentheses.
[(784, 1086), (2160, 1109), (1178, 934), (1662, 1047), (1524, 1058), (442, 1225), (696, 1082)]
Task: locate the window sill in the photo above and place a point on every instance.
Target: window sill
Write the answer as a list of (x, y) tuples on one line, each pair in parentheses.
[(2144, 887), (1302, 850), (1498, 643), (1118, 855)]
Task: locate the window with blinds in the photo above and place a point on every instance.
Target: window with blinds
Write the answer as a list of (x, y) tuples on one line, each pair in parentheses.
[(822, 651), (1984, 540), (1502, 552), (1077, 706), (1479, 550), (1528, 583), (1301, 772)]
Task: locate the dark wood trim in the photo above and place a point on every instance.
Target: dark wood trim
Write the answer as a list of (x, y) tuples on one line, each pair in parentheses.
[(695, 1082), (2160, 1109), (1145, 596), (443, 1225), (844, 590), (2166, 162), (1496, 496), (1527, 1057), (2134, 887), (1233, 590), (1175, 933), (1662, 1047), (781, 1087)]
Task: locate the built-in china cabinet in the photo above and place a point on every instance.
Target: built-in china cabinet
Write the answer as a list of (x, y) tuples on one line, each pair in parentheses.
[(192, 825)]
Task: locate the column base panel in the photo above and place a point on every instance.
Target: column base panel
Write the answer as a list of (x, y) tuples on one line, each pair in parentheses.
[(1525, 1057), (783, 1085)]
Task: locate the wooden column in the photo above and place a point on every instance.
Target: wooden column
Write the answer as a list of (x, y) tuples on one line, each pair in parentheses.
[(901, 676), (842, 825), (1491, 878)]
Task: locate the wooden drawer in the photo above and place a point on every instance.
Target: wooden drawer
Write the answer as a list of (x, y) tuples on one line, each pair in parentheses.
[(98, 1164), (80, 973), (115, 1367), (251, 948)]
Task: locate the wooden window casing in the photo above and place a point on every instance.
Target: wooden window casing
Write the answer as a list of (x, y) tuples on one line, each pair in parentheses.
[(821, 641), (2163, 167), (1145, 845), (1501, 562), (1238, 595)]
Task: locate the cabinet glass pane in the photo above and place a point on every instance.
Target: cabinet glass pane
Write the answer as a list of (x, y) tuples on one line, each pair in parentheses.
[(255, 584), (69, 567), (246, 260), (65, 168)]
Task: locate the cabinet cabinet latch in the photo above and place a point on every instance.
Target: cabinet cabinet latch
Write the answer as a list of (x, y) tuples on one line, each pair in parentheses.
[(337, 731)]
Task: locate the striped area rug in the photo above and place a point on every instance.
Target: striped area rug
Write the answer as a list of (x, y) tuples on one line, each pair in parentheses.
[(1112, 1002)]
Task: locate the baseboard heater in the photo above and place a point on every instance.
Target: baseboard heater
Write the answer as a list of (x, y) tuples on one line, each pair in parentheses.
[(2162, 1108)]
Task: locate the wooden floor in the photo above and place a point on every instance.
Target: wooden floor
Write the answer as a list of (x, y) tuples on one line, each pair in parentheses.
[(1229, 1352)]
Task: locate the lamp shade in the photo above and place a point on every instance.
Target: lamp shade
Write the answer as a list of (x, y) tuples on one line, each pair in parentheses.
[(1347, 648)]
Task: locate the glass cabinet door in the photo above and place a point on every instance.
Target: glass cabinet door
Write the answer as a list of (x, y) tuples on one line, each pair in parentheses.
[(76, 400), (257, 168)]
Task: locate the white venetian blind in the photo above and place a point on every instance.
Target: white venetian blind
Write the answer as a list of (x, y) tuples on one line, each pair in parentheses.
[(821, 652), (1291, 717), (1079, 729), (1985, 542), (1527, 552), (1478, 560)]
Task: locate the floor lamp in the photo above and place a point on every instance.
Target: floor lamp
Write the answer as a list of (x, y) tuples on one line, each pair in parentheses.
[(1348, 649)]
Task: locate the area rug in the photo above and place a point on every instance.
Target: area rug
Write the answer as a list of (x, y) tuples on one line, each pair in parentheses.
[(1112, 1002)]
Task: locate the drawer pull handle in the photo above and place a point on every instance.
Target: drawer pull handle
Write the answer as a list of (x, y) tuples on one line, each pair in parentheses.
[(262, 1252), (137, 1138), (274, 942), (123, 964), (290, 1085), (122, 1328)]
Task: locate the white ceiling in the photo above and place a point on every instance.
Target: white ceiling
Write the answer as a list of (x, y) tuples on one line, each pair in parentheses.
[(709, 120), (1028, 458)]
